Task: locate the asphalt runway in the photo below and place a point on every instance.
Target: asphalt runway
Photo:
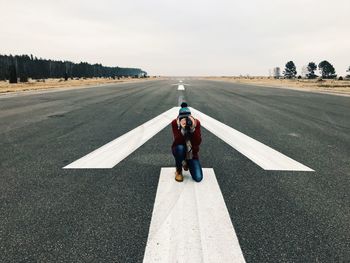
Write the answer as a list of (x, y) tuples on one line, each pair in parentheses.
[(50, 214)]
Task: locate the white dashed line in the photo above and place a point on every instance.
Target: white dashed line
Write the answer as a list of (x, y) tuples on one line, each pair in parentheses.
[(181, 87)]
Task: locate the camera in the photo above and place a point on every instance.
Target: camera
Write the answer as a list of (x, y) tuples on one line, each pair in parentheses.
[(189, 123)]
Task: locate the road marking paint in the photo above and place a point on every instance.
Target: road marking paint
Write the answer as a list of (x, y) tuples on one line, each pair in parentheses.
[(261, 154), (293, 134), (181, 87), (190, 222), (177, 84), (180, 100), (115, 151)]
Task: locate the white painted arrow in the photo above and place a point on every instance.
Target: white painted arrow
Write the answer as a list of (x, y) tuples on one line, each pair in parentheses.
[(112, 153), (181, 87), (261, 154), (190, 222), (115, 151)]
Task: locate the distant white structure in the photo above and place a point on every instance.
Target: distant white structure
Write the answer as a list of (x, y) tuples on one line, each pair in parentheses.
[(304, 71), (277, 72), (142, 75)]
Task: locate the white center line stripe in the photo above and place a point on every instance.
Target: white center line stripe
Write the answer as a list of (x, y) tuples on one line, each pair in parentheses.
[(190, 222), (261, 154), (115, 151), (181, 87)]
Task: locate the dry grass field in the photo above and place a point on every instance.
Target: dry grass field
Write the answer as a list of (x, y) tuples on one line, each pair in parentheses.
[(326, 86), (5, 87)]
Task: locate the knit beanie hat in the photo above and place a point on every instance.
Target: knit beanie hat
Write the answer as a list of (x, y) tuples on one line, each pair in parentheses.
[(184, 111)]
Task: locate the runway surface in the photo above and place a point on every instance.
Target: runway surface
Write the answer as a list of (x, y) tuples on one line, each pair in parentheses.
[(51, 214)]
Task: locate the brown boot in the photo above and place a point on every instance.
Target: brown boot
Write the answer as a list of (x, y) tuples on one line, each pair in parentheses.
[(178, 175), (185, 165)]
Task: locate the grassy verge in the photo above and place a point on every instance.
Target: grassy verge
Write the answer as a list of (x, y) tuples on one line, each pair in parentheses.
[(329, 86), (5, 87)]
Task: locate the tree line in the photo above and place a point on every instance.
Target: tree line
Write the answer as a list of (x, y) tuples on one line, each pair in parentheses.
[(326, 69), (23, 67)]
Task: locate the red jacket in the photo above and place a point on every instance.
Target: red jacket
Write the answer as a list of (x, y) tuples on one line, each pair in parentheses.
[(180, 139)]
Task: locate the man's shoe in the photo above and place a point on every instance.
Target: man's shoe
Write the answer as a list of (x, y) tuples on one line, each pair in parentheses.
[(178, 175)]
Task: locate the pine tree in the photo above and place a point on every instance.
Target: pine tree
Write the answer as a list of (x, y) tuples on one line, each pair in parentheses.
[(311, 67), (290, 70), (13, 74), (327, 70), (25, 67)]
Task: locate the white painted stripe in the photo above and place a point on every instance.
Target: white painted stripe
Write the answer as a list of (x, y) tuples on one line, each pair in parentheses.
[(180, 100), (190, 222), (115, 151), (261, 154), (112, 153), (181, 87)]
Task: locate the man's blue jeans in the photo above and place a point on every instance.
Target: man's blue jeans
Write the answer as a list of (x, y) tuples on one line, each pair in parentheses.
[(194, 165)]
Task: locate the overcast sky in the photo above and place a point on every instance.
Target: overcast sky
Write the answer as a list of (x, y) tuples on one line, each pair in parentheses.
[(181, 37)]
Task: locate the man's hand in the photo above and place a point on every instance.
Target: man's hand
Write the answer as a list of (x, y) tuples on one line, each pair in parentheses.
[(194, 122), (182, 122)]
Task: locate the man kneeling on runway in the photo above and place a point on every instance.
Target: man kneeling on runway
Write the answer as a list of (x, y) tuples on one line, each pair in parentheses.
[(185, 148)]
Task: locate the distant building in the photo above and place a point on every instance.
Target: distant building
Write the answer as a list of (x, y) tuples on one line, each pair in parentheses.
[(143, 75), (277, 72)]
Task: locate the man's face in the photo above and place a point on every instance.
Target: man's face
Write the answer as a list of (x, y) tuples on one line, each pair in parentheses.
[(183, 122)]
